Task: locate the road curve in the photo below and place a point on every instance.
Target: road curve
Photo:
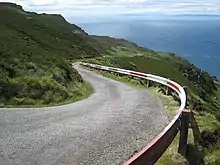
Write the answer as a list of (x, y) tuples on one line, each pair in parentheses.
[(107, 128)]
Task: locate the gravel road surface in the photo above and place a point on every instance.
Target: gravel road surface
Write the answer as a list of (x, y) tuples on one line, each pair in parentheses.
[(105, 129)]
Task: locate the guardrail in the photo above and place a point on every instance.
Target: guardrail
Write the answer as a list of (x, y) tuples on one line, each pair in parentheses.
[(153, 151)]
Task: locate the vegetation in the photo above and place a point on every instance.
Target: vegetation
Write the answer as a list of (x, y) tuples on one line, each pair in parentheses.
[(34, 53)]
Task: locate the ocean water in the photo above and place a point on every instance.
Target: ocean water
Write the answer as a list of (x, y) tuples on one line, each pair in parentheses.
[(195, 38)]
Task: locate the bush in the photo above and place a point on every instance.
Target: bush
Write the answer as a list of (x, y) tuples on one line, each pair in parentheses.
[(209, 138)]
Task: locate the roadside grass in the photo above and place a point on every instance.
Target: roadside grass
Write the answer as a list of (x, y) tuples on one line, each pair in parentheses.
[(171, 157), (78, 92)]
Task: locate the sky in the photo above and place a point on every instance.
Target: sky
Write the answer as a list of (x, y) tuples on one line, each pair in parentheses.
[(85, 9)]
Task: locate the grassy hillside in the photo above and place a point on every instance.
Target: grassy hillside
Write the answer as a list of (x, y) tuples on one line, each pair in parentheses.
[(204, 94), (34, 49)]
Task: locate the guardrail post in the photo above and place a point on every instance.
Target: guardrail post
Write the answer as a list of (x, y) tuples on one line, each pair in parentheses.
[(184, 129), (186, 91), (167, 91), (148, 83), (184, 132)]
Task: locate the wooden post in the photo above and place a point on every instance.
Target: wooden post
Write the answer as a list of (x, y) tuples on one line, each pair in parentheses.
[(184, 132), (186, 91), (148, 83), (167, 91), (184, 129)]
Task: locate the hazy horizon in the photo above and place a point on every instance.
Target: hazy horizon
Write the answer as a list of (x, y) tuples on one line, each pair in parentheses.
[(85, 10)]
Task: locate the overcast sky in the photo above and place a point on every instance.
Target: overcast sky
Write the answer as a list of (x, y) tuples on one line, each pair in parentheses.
[(101, 8)]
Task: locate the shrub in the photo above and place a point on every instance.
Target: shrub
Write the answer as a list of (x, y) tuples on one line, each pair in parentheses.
[(209, 138)]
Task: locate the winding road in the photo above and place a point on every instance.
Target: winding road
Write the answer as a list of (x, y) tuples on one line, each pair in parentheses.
[(104, 129)]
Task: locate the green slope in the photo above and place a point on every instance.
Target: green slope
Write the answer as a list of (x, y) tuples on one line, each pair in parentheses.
[(34, 49), (30, 32)]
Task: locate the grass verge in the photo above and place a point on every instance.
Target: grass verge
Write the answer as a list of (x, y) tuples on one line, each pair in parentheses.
[(79, 92)]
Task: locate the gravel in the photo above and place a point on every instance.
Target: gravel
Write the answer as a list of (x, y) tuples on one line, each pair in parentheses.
[(106, 128)]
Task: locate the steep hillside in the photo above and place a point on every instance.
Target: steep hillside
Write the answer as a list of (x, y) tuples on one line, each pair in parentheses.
[(34, 49), (48, 34)]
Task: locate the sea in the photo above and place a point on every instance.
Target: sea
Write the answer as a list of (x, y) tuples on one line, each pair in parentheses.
[(195, 37)]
